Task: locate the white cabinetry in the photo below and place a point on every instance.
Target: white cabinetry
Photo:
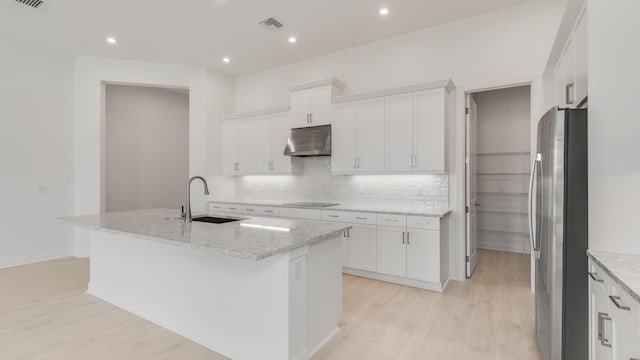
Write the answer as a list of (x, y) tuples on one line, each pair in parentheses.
[(392, 251), (311, 103), (253, 143), (358, 136), (614, 323), (569, 78), (423, 255), (399, 130), (361, 247)]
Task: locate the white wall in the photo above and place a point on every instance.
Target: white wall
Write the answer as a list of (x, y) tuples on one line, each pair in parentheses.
[(36, 154), (503, 127), (614, 125), (147, 147), (498, 48), (211, 95)]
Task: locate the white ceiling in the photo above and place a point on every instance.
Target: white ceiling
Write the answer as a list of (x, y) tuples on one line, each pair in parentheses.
[(202, 32)]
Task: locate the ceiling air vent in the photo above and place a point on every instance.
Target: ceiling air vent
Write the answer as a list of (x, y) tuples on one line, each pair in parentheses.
[(32, 3), (269, 24)]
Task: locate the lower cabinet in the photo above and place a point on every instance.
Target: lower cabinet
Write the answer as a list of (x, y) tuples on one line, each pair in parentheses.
[(614, 319), (423, 255), (392, 251), (361, 247)]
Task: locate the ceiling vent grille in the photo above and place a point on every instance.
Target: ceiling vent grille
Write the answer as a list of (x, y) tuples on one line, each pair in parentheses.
[(269, 24), (33, 3)]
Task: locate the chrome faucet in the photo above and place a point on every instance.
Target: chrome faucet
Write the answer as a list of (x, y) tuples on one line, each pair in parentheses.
[(187, 212)]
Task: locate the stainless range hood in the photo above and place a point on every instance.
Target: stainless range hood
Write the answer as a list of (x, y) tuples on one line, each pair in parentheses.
[(309, 141)]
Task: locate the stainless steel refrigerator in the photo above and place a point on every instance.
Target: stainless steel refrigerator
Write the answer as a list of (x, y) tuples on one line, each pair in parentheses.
[(558, 232)]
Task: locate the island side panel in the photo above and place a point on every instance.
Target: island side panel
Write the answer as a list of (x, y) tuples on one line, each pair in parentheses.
[(239, 308), (324, 292)]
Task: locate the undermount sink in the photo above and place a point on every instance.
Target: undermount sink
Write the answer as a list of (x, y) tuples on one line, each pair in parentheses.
[(215, 220)]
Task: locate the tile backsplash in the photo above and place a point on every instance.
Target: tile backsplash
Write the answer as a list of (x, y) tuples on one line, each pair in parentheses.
[(316, 183)]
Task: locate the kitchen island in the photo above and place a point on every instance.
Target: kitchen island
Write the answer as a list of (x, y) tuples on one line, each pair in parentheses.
[(258, 288)]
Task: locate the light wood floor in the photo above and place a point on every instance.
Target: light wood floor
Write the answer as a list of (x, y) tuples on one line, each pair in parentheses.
[(46, 314)]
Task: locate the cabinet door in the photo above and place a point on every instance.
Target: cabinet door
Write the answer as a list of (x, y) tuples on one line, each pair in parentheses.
[(423, 255), (626, 329), (399, 132), (580, 39), (343, 137), (230, 139), (298, 114), (255, 146), (392, 251), (320, 106), (599, 326), (570, 73), (429, 130), (362, 247), (371, 144), (280, 130)]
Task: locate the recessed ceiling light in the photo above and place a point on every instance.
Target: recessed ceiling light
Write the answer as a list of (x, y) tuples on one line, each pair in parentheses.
[(111, 40), (226, 60), (384, 11), (292, 39)]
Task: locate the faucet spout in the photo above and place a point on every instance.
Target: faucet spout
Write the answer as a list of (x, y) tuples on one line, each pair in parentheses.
[(188, 218)]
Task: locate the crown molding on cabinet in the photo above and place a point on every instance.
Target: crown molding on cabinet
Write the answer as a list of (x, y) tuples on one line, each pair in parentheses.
[(331, 81), (446, 83), (255, 113)]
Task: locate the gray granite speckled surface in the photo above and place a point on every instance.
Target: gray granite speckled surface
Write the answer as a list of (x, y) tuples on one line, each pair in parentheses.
[(409, 208), (253, 238), (624, 269)]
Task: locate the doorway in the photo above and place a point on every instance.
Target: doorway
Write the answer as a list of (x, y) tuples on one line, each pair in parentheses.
[(146, 147), (498, 129)]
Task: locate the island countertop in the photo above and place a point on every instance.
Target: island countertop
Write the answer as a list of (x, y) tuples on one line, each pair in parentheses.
[(253, 238)]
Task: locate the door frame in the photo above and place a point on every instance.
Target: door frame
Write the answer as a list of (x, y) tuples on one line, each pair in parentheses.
[(458, 198)]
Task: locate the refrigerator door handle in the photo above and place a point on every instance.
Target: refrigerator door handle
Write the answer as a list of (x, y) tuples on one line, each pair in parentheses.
[(535, 251)]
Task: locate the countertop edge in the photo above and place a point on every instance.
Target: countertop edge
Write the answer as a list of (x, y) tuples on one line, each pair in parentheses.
[(207, 248), (614, 276), (390, 212)]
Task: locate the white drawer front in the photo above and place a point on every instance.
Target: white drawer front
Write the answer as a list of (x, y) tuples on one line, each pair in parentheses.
[(268, 211), (335, 216), (423, 222), (625, 300), (215, 207), (310, 214), (392, 220), (362, 218)]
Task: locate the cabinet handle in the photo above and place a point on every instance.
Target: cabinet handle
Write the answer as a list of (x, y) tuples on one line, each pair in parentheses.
[(348, 233), (595, 278), (403, 237), (568, 91), (333, 216), (358, 162), (249, 209), (310, 118), (616, 301), (268, 211), (415, 160), (361, 218), (602, 317), (410, 161), (391, 220), (354, 163), (408, 242)]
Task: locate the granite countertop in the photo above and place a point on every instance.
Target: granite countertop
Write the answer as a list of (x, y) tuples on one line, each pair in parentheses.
[(409, 208), (624, 269), (252, 238)]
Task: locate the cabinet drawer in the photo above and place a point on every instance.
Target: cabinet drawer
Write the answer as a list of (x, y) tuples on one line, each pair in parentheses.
[(259, 210), (362, 218), (229, 208), (309, 214), (392, 220), (335, 216), (423, 222)]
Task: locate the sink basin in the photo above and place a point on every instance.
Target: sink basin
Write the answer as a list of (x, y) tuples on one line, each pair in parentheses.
[(214, 219)]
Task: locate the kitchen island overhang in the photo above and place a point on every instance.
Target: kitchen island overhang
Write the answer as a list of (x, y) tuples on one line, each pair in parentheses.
[(268, 289)]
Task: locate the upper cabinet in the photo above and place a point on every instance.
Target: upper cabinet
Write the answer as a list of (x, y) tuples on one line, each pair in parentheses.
[(568, 70), (311, 103), (392, 131), (253, 143)]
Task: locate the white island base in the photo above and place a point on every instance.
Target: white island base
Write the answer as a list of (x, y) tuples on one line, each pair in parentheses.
[(283, 307)]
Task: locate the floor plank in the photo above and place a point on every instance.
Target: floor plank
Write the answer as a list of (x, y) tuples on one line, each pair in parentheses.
[(46, 314)]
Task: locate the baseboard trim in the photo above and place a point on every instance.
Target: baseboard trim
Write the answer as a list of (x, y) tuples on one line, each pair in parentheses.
[(323, 343), (396, 279), (33, 258)]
